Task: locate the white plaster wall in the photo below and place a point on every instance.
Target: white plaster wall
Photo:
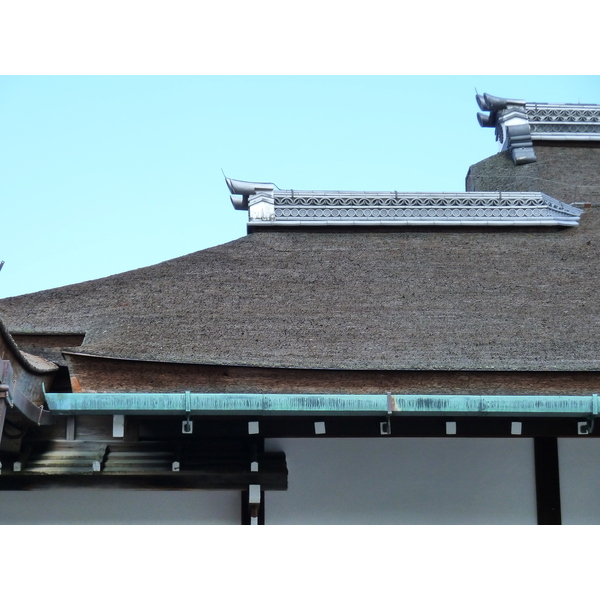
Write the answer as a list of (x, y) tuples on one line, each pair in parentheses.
[(119, 507), (331, 481), (579, 464), (405, 481)]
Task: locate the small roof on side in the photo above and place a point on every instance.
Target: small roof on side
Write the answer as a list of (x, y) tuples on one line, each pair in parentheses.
[(31, 363)]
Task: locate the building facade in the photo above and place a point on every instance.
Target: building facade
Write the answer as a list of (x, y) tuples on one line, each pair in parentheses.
[(358, 357)]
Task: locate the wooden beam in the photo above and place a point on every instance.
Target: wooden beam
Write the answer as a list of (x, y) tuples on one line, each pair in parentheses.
[(274, 480), (220, 464)]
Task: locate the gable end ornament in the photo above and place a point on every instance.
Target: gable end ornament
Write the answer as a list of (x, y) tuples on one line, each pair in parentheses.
[(511, 123)]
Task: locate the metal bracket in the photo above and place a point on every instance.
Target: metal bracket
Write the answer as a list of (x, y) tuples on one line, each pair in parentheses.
[(187, 426), (385, 427), (586, 427), (254, 459), (320, 428)]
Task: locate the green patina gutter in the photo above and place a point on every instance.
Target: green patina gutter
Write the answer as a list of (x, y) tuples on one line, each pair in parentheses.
[(307, 404)]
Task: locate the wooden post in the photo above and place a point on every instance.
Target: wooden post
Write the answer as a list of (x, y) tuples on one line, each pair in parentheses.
[(70, 429), (252, 509), (547, 481), (2, 416)]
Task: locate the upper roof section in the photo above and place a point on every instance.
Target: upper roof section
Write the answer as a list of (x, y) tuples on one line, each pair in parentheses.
[(392, 300), (519, 123), (268, 207)]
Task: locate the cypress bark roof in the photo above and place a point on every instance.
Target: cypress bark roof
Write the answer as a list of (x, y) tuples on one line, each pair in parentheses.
[(376, 300), (32, 363)]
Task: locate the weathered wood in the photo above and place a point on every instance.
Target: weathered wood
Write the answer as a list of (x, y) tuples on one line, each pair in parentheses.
[(61, 458), (172, 481), (70, 429), (231, 428), (272, 476), (298, 426), (2, 417), (89, 428), (47, 345), (25, 374), (216, 464), (110, 375), (131, 430)]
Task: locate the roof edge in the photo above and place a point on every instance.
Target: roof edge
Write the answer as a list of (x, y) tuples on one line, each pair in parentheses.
[(43, 367), (74, 352)]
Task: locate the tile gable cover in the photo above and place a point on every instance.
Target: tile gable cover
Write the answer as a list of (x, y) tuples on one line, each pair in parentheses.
[(268, 207), (519, 124)]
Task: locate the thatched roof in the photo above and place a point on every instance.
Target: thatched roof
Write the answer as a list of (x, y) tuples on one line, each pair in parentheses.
[(443, 299), (567, 171), (30, 362)]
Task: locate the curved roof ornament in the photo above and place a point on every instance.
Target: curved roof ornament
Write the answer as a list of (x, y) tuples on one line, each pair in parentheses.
[(488, 102), (509, 118), (242, 190), (519, 123)]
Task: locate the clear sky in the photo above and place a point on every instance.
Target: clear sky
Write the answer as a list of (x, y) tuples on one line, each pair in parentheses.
[(100, 175)]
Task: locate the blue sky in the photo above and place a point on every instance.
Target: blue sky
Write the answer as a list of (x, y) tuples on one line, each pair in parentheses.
[(103, 174)]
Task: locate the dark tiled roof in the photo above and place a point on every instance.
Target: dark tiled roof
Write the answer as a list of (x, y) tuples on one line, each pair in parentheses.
[(451, 300)]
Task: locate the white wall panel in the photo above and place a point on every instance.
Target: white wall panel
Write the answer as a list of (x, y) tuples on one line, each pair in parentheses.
[(405, 481), (119, 507), (579, 464)]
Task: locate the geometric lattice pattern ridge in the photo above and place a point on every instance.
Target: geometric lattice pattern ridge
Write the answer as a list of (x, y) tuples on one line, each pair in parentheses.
[(518, 123), (270, 207), (555, 121)]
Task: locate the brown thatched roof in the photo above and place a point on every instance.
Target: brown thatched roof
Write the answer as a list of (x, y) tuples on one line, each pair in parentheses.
[(30, 362), (568, 171), (499, 300)]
